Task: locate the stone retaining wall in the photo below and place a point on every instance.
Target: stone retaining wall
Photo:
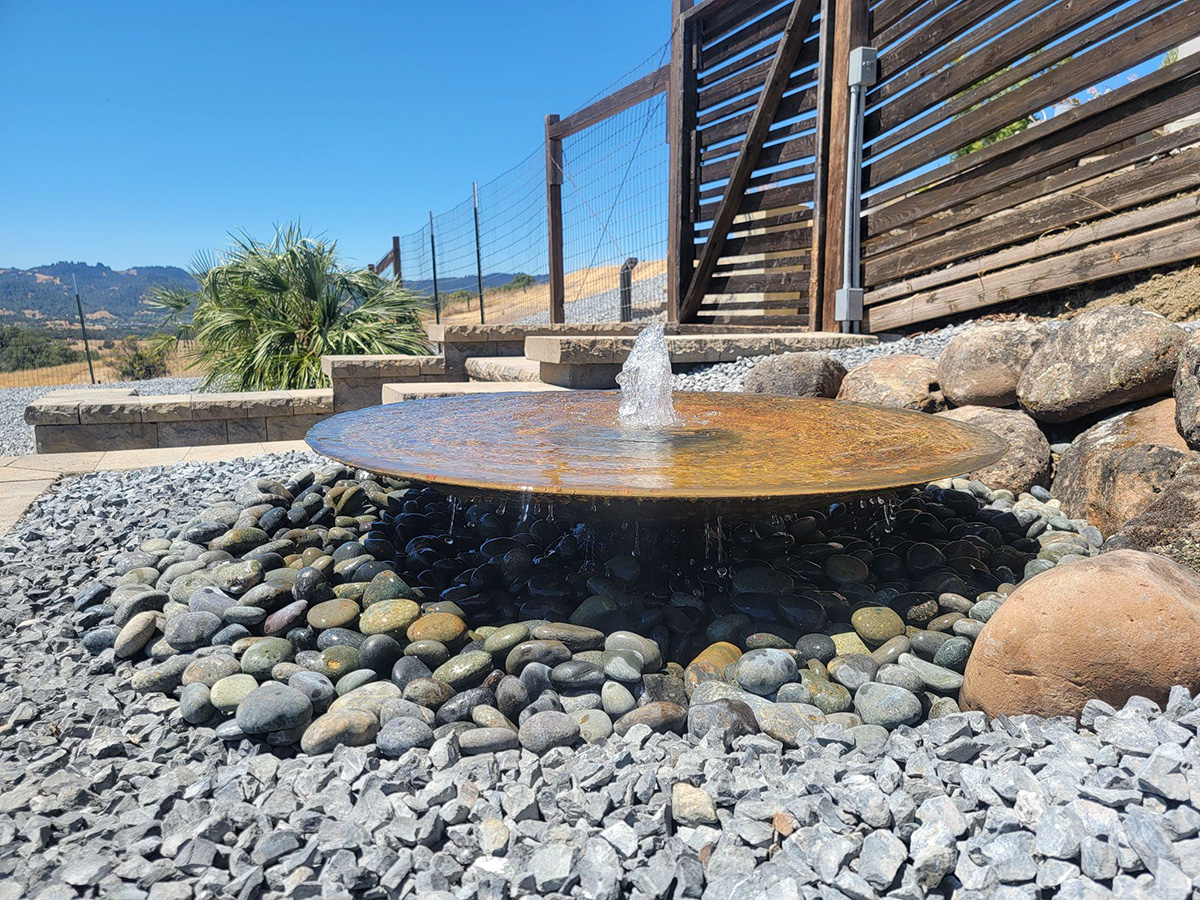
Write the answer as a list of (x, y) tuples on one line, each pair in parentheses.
[(80, 420)]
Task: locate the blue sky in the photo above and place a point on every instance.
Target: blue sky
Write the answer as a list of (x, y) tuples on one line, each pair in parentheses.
[(136, 133)]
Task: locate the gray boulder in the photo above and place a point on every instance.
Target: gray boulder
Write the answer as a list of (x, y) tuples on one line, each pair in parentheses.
[(981, 366), (796, 375), (1027, 461), (1103, 359)]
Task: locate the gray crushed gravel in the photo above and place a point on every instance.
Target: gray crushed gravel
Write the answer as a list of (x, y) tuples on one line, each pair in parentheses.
[(16, 438), (103, 792)]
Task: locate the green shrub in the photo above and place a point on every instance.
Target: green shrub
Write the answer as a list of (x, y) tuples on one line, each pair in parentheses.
[(266, 313), (137, 362)]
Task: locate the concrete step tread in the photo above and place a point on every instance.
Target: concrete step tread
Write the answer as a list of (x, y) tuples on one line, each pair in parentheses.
[(507, 369), (397, 393)]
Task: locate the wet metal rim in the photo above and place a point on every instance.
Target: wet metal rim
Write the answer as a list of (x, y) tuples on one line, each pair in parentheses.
[(735, 449)]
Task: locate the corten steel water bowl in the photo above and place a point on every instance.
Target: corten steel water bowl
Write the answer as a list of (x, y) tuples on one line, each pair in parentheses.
[(734, 453)]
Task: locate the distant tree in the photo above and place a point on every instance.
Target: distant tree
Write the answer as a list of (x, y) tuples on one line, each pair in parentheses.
[(24, 348), (138, 361), (266, 313), (523, 281)]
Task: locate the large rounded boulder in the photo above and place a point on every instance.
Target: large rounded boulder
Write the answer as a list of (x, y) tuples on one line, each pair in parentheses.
[(1027, 460), (1118, 467), (1109, 628), (1103, 359), (796, 375), (902, 380), (1187, 392), (981, 366)]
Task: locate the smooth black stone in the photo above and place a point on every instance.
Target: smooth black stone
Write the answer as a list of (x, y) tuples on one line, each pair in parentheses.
[(312, 586), (379, 652), (458, 708), (335, 637), (100, 639), (407, 669), (303, 638)]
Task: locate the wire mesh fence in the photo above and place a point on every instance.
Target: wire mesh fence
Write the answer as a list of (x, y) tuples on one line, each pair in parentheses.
[(614, 217)]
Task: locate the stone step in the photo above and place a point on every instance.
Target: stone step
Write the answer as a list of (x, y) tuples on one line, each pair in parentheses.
[(502, 369), (398, 393)]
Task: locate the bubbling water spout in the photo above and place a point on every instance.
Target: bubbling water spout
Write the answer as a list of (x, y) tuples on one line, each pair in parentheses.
[(645, 382)]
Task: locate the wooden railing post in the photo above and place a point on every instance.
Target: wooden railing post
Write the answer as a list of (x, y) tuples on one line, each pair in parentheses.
[(681, 131), (554, 222), (396, 270), (850, 29)]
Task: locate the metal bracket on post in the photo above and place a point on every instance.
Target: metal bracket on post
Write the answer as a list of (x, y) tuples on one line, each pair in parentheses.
[(848, 300)]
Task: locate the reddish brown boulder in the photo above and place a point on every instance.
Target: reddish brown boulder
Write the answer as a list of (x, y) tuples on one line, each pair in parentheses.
[(902, 380), (1118, 467), (1103, 359), (1112, 627), (981, 366), (796, 375), (1027, 461), (1170, 526)]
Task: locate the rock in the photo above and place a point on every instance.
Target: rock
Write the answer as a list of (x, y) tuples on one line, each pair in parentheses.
[(226, 693), (901, 380), (370, 696), (660, 716), (709, 665), (692, 806), (616, 699), (1038, 654), (1186, 388), (352, 727), (273, 707), (1027, 460), (594, 724), (465, 670), (1100, 360), (445, 628), (876, 625), (400, 735), (544, 730), (807, 374), (729, 719), (763, 672), (390, 617), (262, 656), (1170, 526), (136, 634), (195, 705), (788, 723), (887, 705), (1116, 469), (652, 659), (981, 366), (190, 630), (488, 740), (936, 678)]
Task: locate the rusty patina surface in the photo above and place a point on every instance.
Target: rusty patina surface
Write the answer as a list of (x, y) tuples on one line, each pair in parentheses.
[(734, 451)]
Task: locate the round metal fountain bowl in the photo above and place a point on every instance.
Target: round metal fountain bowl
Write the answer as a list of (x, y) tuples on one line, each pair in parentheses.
[(733, 453)]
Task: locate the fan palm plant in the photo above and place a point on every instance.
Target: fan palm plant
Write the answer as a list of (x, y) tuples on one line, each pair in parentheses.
[(265, 313)]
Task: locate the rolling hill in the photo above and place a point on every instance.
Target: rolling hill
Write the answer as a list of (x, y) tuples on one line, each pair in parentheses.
[(112, 298)]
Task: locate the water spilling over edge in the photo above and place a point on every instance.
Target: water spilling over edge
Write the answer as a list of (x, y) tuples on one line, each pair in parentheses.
[(645, 381)]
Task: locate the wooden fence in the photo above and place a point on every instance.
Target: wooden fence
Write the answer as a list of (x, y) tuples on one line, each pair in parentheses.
[(975, 194), (1105, 187)]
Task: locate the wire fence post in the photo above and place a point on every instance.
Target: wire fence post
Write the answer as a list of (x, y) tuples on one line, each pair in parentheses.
[(627, 288), (87, 351), (437, 303), (554, 222), (478, 249), (396, 270)]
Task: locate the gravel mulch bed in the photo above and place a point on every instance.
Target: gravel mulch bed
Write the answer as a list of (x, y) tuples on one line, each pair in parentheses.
[(16, 438), (105, 792)]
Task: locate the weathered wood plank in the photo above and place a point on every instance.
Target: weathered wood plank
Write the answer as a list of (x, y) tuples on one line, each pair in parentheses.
[(1110, 226), (956, 51), (1123, 190), (1130, 110), (752, 79), (682, 162), (1143, 42), (976, 76), (717, 22), (998, 202), (889, 12), (1160, 247), (799, 148), (767, 27), (911, 49), (617, 102), (798, 25)]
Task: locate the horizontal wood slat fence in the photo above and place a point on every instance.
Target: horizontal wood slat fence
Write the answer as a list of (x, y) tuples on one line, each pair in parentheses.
[(1011, 148), (1106, 186)]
